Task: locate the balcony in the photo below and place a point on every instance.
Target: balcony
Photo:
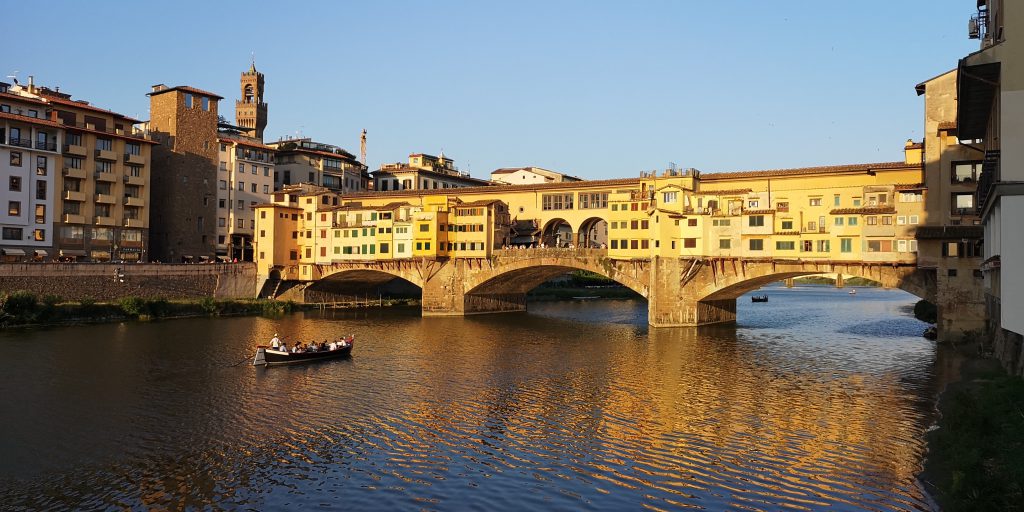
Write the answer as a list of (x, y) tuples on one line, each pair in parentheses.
[(134, 201), (134, 180), (74, 150), (989, 177), (134, 223), (21, 143), (134, 159), (106, 154), (105, 199), (105, 176), (46, 146), (71, 218), (104, 221), (72, 195), (70, 172)]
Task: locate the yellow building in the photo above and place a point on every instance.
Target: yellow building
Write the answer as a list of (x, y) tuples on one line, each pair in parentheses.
[(854, 213)]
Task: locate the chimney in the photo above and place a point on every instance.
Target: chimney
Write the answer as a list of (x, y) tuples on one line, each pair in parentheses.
[(158, 87), (31, 84)]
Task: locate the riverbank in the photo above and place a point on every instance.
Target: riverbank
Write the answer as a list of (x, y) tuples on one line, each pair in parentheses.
[(976, 454), (23, 309)]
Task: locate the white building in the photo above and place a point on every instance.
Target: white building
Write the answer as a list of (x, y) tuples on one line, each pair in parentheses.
[(245, 178), (29, 143), (529, 176)]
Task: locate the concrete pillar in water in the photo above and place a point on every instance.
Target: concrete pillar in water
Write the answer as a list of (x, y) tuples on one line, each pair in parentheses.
[(789, 282), (840, 282)]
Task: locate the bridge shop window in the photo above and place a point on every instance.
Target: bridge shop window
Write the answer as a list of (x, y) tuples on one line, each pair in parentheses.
[(725, 243), (755, 221), (838, 221), (823, 245), (556, 201), (689, 243), (815, 201), (756, 244), (879, 245), (593, 200), (846, 245), (785, 246)]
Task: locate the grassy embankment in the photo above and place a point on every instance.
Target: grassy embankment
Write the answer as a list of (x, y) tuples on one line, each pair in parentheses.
[(23, 308), (853, 281), (976, 456)]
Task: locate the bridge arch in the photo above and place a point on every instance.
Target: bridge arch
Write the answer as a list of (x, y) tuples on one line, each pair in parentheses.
[(557, 232), (519, 275), (592, 233)]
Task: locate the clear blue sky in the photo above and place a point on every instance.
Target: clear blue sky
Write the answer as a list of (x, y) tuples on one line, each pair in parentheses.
[(594, 89)]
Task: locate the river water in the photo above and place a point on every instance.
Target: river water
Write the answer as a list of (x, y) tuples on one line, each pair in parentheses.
[(814, 400)]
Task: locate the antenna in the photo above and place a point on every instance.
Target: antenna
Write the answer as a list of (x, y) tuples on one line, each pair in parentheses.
[(14, 76), (362, 147)]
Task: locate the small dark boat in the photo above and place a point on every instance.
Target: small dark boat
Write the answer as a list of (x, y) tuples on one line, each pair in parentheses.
[(930, 333), (755, 298), (266, 356)]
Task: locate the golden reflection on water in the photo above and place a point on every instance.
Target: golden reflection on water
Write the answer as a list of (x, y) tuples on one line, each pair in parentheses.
[(571, 406)]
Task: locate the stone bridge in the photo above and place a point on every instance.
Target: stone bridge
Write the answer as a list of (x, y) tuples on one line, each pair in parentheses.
[(679, 291)]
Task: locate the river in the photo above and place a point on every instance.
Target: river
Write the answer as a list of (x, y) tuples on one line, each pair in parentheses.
[(814, 400)]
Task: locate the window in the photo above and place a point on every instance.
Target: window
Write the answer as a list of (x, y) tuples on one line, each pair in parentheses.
[(14, 208), (12, 233), (962, 202), (965, 172), (901, 220), (812, 226), (951, 272), (188, 100), (254, 189), (782, 206), (104, 144), (222, 222), (724, 243), (205, 103), (846, 245), (806, 246), (39, 235), (40, 214), (785, 246), (240, 205), (241, 223), (911, 197), (913, 219), (691, 222), (856, 201), (266, 189), (871, 220), (135, 171), (754, 203), (851, 221), (41, 166), (669, 197), (815, 201), (755, 220), (14, 184), (787, 225), (424, 228), (15, 158), (241, 186), (721, 222), (266, 171), (836, 200), (879, 245), (887, 220), (105, 167), (756, 244), (838, 221), (254, 169), (688, 243), (41, 190), (823, 246), (132, 148), (556, 201)]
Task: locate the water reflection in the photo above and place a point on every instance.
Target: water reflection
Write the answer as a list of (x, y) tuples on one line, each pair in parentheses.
[(814, 400)]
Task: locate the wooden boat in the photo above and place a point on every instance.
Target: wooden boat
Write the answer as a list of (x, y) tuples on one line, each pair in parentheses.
[(853, 292), (266, 356), (762, 298)]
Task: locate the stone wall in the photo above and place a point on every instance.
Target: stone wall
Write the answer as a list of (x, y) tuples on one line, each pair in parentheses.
[(97, 281)]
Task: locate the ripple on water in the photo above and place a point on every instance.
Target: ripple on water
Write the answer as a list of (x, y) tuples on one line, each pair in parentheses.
[(814, 400)]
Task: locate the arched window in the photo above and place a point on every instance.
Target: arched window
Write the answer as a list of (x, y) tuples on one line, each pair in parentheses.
[(248, 94)]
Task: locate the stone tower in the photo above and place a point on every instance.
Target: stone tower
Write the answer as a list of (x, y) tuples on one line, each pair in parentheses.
[(251, 111)]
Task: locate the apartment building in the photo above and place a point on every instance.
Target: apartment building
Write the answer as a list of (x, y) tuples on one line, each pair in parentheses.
[(529, 176), (98, 204), (990, 106), (245, 178), (423, 172), (29, 142), (307, 161)]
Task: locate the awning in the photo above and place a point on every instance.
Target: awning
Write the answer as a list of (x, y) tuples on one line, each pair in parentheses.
[(976, 87), (41, 253), (13, 252), (72, 252)]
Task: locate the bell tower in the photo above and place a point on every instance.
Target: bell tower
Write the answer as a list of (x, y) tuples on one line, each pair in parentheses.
[(251, 111)]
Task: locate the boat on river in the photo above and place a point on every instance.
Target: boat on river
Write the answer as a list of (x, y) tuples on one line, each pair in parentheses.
[(267, 356), (755, 298)]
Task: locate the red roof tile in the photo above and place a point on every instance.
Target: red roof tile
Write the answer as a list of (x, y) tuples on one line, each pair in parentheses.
[(868, 210), (186, 88), (829, 169)]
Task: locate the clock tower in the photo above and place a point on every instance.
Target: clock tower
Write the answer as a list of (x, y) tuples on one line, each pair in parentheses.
[(251, 111)]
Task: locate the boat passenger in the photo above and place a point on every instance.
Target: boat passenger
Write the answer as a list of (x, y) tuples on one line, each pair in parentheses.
[(284, 347)]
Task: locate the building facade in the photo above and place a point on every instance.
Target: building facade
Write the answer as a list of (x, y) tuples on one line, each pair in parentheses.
[(245, 178), (29, 142), (529, 176), (99, 201), (315, 163), (184, 120), (423, 172), (990, 106)]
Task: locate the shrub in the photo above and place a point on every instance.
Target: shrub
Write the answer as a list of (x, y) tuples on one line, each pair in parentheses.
[(20, 306), (132, 306), (926, 311), (208, 305)]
